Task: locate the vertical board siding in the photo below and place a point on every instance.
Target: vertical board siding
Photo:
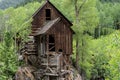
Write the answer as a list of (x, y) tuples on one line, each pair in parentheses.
[(63, 37)]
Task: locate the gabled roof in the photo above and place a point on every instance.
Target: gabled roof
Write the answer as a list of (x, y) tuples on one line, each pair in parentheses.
[(47, 26), (55, 8)]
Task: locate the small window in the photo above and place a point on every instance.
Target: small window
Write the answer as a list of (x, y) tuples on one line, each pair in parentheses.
[(48, 14), (51, 43)]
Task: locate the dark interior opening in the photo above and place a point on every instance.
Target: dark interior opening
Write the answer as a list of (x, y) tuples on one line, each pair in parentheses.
[(51, 43), (51, 39), (51, 48), (60, 50), (48, 14)]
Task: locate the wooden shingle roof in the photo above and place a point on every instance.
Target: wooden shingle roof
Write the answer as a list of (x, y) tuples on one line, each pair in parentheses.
[(47, 26)]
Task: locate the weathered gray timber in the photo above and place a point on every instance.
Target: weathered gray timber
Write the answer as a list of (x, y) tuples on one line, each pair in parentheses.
[(47, 53)]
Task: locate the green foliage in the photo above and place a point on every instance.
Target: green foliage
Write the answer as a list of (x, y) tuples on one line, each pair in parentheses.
[(105, 51), (13, 21), (8, 60), (108, 17), (18, 20), (84, 25)]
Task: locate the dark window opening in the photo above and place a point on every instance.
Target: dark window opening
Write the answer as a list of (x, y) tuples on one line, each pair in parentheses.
[(60, 50), (51, 48), (51, 39), (51, 43), (48, 14)]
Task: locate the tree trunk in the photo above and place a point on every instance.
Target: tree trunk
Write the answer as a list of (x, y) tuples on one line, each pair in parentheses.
[(77, 13), (77, 43), (77, 55)]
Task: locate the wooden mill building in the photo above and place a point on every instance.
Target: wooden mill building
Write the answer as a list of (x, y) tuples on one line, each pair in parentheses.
[(51, 44), (52, 30)]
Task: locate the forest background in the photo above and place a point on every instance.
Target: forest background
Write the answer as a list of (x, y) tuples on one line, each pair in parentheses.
[(96, 43)]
